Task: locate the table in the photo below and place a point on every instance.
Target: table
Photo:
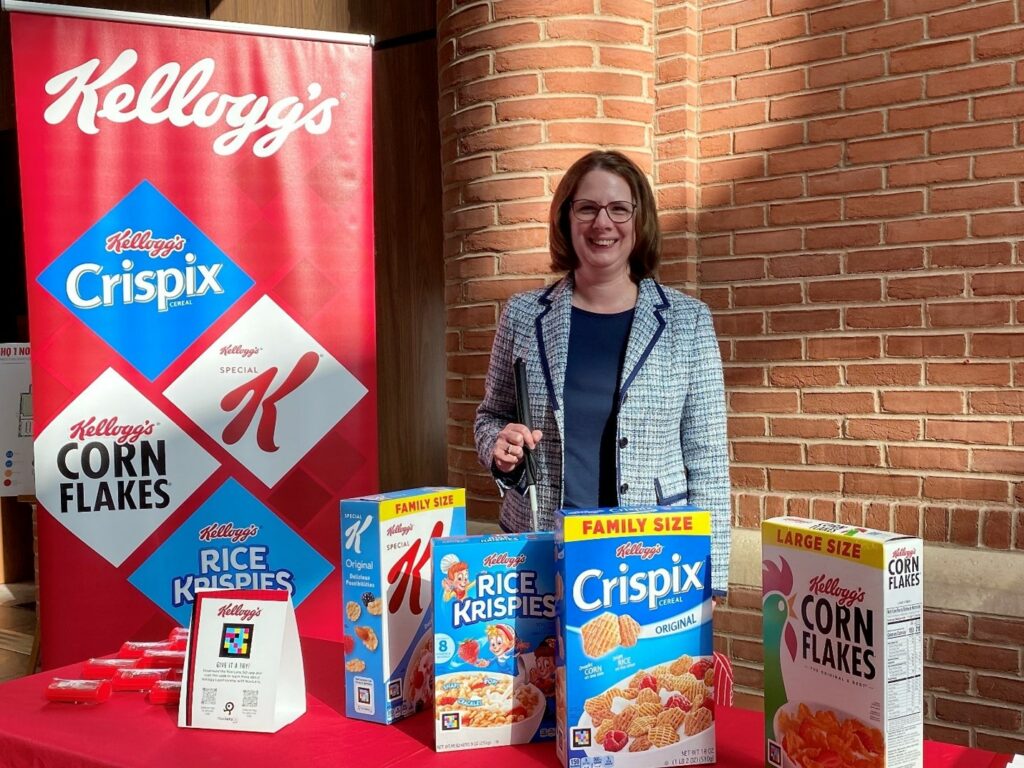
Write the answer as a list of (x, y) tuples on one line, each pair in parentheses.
[(127, 732)]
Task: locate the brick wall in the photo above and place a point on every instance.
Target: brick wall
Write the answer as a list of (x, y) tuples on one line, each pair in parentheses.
[(861, 168), (841, 182), (677, 47), (526, 87)]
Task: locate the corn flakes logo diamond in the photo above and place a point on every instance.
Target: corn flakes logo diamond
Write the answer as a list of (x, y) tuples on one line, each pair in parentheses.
[(145, 279), (111, 467), (267, 391)]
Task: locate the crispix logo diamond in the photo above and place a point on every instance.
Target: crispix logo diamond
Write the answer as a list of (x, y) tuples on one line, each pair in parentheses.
[(145, 279)]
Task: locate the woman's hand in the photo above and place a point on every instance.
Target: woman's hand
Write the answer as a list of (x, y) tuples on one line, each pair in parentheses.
[(508, 448)]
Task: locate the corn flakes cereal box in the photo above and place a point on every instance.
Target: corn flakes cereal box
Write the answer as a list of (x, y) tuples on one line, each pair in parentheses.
[(494, 640), (635, 672), (843, 646), (387, 592)]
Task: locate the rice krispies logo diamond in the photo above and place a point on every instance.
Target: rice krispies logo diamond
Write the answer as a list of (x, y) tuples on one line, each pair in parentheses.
[(145, 279), (112, 467), (231, 542), (267, 391)]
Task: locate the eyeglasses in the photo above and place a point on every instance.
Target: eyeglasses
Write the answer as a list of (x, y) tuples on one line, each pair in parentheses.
[(619, 211)]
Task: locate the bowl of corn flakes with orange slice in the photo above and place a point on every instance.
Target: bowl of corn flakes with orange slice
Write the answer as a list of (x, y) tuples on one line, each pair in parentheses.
[(818, 736)]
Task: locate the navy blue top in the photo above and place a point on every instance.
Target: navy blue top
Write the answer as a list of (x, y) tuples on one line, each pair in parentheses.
[(597, 349)]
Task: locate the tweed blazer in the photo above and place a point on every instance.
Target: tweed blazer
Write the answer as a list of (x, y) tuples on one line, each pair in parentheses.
[(671, 434)]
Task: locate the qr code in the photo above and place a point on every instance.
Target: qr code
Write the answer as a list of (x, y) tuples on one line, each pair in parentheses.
[(209, 696), (250, 698)]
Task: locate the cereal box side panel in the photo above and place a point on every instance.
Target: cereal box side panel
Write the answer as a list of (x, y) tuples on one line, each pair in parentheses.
[(408, 526), (904, 653), (637, 639), (362, 610), (824, 642), (448, 552), (494, 641), (561, 719)]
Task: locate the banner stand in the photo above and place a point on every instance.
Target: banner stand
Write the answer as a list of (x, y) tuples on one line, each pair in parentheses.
[(200, 265)]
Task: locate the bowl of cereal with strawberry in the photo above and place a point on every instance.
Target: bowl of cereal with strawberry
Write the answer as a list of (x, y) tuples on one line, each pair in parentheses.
[(655, 716)]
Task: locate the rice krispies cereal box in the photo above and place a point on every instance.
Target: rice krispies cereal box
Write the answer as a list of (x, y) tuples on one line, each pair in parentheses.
[(635, 672), (494, 640), (843, 645), (387, 592)]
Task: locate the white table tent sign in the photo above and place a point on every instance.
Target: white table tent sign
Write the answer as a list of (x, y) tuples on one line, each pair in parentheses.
[(243, 665)]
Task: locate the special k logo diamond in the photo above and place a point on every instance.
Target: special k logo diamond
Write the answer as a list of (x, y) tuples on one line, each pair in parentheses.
[(145, 279), (267, 391), (112, 467)]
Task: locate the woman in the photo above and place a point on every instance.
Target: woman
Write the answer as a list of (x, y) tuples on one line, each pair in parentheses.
[(624, 374)]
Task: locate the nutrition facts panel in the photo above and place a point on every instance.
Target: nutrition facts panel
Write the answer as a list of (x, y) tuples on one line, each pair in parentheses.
[(903, 692), (904, 651)]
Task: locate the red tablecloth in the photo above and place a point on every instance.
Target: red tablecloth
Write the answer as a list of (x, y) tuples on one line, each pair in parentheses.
[(126, 731)]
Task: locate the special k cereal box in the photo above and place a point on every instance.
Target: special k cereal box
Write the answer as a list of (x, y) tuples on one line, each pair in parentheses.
[(843, 646), (494, 640), (387, 591), (635, 672)]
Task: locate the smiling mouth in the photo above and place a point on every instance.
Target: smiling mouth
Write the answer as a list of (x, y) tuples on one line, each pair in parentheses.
[(603, 243)]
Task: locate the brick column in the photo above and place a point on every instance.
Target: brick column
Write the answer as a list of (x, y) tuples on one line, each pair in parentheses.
[(526, 87), (676, 148)]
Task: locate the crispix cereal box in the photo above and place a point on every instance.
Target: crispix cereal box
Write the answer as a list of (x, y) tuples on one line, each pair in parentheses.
[(387, 591), (843, 646), (635, 673), (494, 640)]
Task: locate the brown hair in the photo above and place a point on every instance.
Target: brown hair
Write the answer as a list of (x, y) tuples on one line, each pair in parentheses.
[(647, 249)]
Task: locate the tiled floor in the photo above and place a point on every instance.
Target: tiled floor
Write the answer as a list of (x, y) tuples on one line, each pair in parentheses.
[(17, 628)]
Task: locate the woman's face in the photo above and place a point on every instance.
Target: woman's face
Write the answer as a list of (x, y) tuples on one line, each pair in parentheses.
[(602, 245)]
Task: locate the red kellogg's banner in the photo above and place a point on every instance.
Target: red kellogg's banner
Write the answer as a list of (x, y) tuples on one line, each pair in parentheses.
[(198, 231)]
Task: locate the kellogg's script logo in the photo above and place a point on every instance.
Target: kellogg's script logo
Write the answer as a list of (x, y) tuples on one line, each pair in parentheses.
[(399, 529), (238, 611), (237, 350), (504, 559), (228, 531), (181, 98), (821, 585), (637, 549), (157, 248), (122, 433)]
